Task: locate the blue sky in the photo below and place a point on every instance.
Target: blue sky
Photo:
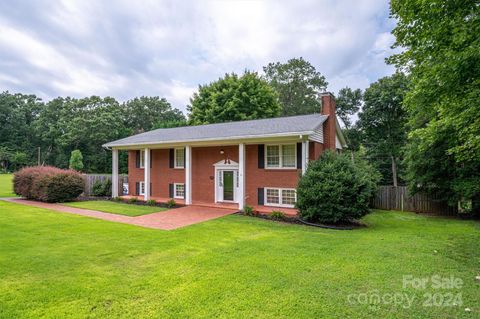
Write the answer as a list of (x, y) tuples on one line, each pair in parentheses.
[(167, 48)]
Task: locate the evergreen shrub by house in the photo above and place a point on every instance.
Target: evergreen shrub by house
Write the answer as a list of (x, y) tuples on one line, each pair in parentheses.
[(48, 184), (336, 190), (102, 188)]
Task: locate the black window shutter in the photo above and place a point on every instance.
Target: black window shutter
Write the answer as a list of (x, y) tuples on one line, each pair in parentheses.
[(299, 155), (137, 159), (172, 158), (170, 190), (137, 188), (261, 156), (151, 158), (260, 196), (150, 189)]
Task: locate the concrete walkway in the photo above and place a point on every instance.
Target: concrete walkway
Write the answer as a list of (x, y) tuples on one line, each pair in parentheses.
[(166, 220)]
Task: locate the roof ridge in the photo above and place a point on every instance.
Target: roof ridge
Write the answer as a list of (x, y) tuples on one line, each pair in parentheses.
[(240, 121)]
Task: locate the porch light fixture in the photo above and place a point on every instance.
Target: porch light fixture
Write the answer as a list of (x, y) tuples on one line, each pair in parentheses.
[(222, 151)]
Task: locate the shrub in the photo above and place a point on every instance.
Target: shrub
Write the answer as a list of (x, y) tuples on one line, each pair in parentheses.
[(151, 202), (248, 210), (276, 214), (48, 184), (102, 188), (335, 190), (171, 203), (117, 199), (132, 200), (76, 160)]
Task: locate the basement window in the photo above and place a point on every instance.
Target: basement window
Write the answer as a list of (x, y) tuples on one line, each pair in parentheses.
[(179, 190), (284, 197)]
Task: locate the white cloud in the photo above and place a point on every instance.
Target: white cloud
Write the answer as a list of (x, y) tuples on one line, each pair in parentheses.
[(126, 49)]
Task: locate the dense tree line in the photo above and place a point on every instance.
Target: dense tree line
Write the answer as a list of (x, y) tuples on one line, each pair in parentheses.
[(33, 131)]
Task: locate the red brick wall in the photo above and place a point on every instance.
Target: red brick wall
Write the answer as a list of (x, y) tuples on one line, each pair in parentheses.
[(134, 174), (315, 150), (329, 127), (161, 174), (259, 178), (203, 171)]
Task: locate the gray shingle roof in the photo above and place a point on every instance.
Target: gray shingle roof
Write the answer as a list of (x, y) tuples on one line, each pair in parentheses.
[(302, 124)]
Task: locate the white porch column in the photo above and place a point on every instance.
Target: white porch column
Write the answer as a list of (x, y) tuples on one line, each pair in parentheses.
[(241, 176), (146, 179), (114, 173), (305, 146), (188, 175)]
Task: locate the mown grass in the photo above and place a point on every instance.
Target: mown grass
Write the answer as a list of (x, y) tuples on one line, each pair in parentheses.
[(116, 208), (66, 266), (6, 186)]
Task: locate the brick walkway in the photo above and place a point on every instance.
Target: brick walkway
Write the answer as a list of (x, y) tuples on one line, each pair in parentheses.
[(166, 220)]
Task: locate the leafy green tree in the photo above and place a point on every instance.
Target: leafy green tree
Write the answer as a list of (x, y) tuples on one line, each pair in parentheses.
[(76, 160), (383, 123), (66, 124), (170, 124), (5, 158), (354, 138), (19, 160), (233, 98), (348, 103), (298, 84), (144, 113), (18, 113), (441, 52)]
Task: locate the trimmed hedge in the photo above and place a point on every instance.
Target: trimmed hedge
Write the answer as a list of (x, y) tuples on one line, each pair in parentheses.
[(335, 190), (48, 184)]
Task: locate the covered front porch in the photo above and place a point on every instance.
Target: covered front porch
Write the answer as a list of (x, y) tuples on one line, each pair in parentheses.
[(291, 212)]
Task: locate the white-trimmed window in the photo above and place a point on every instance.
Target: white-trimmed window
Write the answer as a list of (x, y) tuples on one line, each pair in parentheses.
[(179, 190), (179, 158), (141, 188), (142, 158), (285, 197), (281, 156)]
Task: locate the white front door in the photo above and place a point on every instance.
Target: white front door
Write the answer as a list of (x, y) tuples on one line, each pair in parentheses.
[(227, 184)]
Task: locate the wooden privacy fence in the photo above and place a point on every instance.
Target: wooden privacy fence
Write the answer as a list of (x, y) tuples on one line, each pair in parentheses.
[(397, 198), (90, 179)]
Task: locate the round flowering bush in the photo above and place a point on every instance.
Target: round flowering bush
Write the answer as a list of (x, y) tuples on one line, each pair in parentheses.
[(48, 184), (336, 190)]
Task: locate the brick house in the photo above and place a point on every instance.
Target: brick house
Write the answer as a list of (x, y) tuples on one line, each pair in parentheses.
[(256, 163)]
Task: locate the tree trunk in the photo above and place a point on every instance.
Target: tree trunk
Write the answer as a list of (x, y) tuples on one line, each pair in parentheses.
[(394, 171)]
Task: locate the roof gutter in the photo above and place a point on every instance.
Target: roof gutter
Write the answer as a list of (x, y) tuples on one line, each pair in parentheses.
[(292, 134)]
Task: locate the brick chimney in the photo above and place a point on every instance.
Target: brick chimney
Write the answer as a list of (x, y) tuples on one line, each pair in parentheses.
[(329, 127)]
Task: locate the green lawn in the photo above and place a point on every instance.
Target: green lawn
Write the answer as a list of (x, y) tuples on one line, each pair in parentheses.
[(66, 266), (116, 208), (6, 187)]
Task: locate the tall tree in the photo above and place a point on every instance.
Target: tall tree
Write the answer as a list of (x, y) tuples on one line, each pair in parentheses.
[(348, 103), (144, 113), (441, 52), (233, 98), (383, 124), (66, 124), (298, 84), (18, 112)]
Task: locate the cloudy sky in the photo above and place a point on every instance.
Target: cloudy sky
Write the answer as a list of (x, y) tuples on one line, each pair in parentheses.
[(166, 48)]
